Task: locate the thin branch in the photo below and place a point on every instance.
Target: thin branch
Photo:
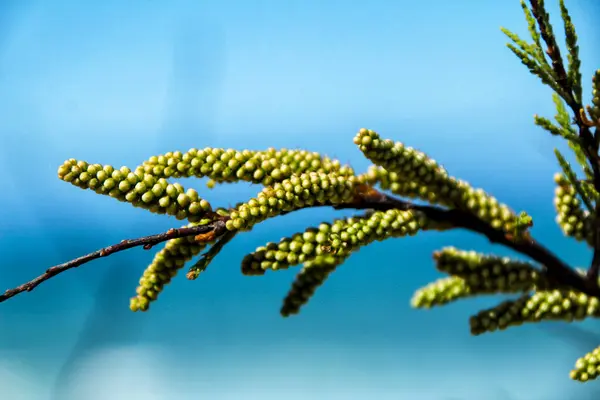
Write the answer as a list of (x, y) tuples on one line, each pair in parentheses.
[(556, 269), (590, 141), (552, 49), (366, 198), (147, 242), (593, 271), (553, 52), (201, 265)]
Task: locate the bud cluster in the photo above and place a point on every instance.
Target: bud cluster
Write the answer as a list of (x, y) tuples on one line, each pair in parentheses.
[(228, 165), (595, 109), (542, 305), (299, 191), (574, 221), (475, 274), (313, 274), (587, 367), (408, 172), (165, 265), (138, 188), (339, 238)]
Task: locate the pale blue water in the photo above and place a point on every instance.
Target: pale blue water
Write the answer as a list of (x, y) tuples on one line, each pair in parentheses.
[(115, 82)]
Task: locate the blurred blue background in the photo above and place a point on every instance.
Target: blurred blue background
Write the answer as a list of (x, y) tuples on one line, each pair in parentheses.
[(115, 82)]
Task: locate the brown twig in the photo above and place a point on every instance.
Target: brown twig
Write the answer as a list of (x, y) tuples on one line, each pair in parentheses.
[(147, 242)]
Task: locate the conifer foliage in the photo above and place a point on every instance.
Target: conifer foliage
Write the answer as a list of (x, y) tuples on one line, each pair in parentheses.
[(543, 288)]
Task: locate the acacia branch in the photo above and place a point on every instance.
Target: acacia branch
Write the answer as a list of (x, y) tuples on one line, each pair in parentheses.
[(366, 198)]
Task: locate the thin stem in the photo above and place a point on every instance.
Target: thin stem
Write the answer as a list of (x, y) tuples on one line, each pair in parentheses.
[(147, 242)]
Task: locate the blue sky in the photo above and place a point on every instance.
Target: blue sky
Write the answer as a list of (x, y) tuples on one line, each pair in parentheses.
[(116, 82)]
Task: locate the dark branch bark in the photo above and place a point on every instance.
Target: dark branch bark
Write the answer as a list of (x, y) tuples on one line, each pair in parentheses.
[(556, 269), (147, 242)]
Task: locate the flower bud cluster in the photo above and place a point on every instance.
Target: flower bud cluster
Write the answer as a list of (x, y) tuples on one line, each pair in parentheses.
[(408, 172), (228, 165), (573, 220), (542, 305), (505, 314), (441, 292), (313, 274), (395, 183), (410, 164), (299, 191), (587, 367), (595, 109), (339, 238), (475, 274), (138, 188), (498, 274), (165, 265)]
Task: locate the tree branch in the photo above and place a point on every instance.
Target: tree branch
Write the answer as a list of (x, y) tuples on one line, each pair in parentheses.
[(147, 242), (366, 198), (590, 141), (556, 269)]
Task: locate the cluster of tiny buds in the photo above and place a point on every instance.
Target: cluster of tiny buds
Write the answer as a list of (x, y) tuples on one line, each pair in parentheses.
[(595, 109), (441, 292), (507, 313), (475, 274), (228, 165), (571, 217), (138, 188), (339, 238), (587, 367), (306, 190), (542, 305), (313, 274), (408, 172), (487, 270), (395, 156), (165, 265)]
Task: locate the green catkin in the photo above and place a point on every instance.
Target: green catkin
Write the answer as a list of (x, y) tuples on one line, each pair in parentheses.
[(476, 274), (142, 190), (313, 274), (299, 191), (489, 271), (587, 367), (394, 182), (550, 305), (165, 265), (441, 292), (409, 172), (595, 107), (500, 317), (341, 237), (573, 220), (408, 162), (228, 165)]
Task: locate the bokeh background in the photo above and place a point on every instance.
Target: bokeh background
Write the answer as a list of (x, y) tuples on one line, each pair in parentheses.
[(115, 82)]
